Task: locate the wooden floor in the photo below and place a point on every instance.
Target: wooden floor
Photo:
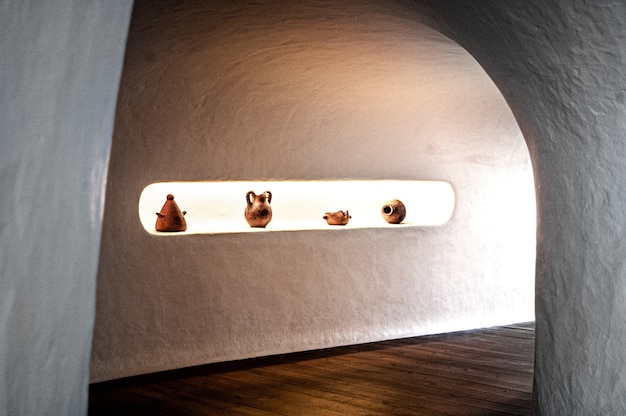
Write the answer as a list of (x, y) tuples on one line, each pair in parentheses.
[(479, 372)]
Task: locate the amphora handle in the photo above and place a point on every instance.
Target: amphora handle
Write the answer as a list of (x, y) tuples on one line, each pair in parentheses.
[(248, 197)]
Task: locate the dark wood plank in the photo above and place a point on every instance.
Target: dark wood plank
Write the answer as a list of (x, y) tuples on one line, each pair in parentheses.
[(481, 372)]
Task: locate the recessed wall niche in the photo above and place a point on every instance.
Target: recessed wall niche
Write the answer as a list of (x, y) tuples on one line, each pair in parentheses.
[(217, 207)]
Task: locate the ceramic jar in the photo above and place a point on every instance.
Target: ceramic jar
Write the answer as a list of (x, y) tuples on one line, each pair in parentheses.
[(170, 218), (258, 211), (337, 218), (393, 211)]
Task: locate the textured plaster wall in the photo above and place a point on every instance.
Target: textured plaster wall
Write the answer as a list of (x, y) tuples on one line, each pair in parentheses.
[(59, 73), (562, 67), (271, 90)]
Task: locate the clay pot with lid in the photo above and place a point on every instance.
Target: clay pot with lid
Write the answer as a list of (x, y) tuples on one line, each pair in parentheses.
[(258, 211), (393, 211), (171, 218)]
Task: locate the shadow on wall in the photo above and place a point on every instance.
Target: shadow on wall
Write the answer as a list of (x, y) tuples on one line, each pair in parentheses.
[(315, 91)]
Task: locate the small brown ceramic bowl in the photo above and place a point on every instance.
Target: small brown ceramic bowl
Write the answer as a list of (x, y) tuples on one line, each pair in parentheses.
[(337, 218)]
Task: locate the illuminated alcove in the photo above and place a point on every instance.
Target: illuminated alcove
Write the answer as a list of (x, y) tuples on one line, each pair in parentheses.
[(217, 207), (319, 95)]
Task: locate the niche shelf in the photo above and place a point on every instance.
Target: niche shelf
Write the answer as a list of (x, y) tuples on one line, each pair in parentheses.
[(216, 207)]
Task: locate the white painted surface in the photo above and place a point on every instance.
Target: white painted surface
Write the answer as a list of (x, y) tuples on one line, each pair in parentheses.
[(560, 65), (562, 68), (59, 72), (317, 91)]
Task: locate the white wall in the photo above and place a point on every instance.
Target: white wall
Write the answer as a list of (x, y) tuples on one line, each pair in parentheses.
[(562, 67), (356, 90), (59, 74)]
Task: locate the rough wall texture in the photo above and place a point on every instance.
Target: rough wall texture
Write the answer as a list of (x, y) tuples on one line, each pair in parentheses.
[(59, 73), (560, 64), (317, 90), (562, 67)]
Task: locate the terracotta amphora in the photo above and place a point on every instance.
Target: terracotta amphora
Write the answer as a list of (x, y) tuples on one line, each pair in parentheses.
[(171, 218), (393, 211), (258, 210)]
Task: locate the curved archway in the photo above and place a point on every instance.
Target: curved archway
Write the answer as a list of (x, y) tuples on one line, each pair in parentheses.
[(560, 65), (562, 69), (278, 91)]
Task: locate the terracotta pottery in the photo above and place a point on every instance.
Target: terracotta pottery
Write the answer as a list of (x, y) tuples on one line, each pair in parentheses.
[(337, 218), (258, 211), (393, 211), (171, 218)]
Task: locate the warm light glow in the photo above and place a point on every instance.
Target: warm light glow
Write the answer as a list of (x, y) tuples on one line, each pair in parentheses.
[(218, 207)]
